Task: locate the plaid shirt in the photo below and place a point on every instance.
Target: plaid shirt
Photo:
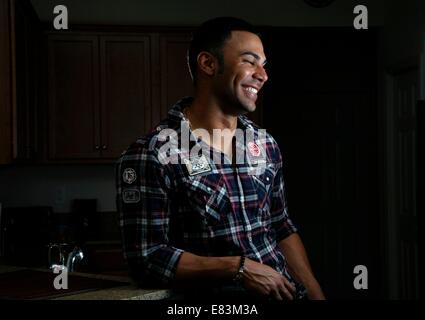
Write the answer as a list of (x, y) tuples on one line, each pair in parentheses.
[(164, 210)]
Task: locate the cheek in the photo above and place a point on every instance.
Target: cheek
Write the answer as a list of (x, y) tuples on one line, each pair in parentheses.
[(244, 74), (240, 75), (241, 78), (234, 77)]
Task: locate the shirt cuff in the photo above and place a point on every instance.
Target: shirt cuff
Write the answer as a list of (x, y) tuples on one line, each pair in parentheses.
[(162, 263)]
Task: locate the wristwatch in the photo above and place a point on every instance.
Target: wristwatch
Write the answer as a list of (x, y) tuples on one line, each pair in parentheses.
[(239, 276)]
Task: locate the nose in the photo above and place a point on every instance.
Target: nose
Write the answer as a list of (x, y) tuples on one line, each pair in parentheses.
[(260, 74)]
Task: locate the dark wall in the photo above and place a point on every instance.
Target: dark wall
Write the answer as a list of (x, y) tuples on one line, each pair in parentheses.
[(320, 105)]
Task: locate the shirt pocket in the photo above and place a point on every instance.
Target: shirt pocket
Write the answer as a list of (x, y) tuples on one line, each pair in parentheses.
[(207, 194), (264, 183)]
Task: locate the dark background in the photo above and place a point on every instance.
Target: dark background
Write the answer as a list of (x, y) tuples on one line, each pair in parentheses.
[(326, 125)]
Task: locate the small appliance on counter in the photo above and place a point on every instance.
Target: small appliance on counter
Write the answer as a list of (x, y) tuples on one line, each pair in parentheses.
[(25, 231)]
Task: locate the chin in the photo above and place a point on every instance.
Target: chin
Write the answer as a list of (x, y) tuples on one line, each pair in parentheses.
[(245, 106), (242, 106), (248, 108)]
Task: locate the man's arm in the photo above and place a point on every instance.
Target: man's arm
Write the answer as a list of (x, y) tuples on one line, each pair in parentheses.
[(143, 206), (257, 277), (193, 268), (286, 235), (299, 266)]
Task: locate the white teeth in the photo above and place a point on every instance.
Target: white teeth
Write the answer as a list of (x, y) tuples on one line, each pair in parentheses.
[(251, 89)]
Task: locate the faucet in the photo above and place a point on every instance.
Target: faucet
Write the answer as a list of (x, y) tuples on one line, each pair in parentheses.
[(75, 256), (60, 260)]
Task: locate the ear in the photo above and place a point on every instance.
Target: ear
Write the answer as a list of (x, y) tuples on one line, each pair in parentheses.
[(207, 63)]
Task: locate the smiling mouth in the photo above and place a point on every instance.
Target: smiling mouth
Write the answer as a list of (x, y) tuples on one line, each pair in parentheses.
[(251, 92)]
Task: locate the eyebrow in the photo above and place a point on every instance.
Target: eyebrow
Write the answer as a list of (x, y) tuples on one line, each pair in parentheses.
[(256, 56)]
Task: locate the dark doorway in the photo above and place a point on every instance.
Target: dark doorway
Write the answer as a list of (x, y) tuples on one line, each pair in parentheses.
[(320, 105), (420, 192)]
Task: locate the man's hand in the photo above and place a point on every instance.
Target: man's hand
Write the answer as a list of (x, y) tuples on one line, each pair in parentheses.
[(265, 281), (299, 266)]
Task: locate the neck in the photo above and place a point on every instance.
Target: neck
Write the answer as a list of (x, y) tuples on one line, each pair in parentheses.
[(208, 114)]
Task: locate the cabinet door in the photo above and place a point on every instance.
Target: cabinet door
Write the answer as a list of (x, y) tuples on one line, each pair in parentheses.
[(175, 77), (27, 68), (125, 91), (73, 89), (5, 84)]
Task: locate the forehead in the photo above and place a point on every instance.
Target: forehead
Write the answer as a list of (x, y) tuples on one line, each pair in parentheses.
[(243, 41)]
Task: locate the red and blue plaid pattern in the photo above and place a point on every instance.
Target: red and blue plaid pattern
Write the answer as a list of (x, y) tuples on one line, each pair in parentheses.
[(225, 211)]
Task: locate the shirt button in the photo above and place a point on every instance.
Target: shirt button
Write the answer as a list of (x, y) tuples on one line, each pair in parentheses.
[(267, 179), (209, 189), (249, 238), (158, 129)]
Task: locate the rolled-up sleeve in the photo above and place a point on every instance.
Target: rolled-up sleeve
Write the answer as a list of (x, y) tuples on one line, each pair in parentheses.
[(143, 203)]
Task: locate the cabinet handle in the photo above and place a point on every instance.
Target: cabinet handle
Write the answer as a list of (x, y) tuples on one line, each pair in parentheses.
[(104, 147), (97, 147)]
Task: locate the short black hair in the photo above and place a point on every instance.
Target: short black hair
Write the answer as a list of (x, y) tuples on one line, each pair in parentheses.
[(211, 37)]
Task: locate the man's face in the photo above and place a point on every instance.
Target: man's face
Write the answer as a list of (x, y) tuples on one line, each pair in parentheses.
[(243, 73)]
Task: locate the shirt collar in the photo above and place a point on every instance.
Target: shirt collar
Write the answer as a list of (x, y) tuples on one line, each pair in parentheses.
[(176, 115)]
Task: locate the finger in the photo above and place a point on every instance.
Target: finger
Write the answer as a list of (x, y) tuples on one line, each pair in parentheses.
[(289, 285), (286, 293), (276, 294)]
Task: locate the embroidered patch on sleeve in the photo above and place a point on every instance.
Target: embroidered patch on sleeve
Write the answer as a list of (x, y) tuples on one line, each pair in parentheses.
[(131, 196), (129, 175)]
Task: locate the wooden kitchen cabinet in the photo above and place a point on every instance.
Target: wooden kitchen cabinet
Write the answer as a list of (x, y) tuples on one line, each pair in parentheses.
[(5, 83), (99, 93), (19, 82), (125, 91), (27, 71), (106, 90), (73, 97), (175, 80)]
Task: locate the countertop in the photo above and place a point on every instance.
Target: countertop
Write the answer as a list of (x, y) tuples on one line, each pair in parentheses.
[(128, 291)]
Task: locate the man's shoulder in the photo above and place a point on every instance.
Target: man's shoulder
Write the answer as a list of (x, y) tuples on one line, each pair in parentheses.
[(148, 144), (260, 131), (156, 138)]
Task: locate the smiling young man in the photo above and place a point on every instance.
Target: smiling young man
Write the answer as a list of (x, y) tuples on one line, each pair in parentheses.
[(198, 223)]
